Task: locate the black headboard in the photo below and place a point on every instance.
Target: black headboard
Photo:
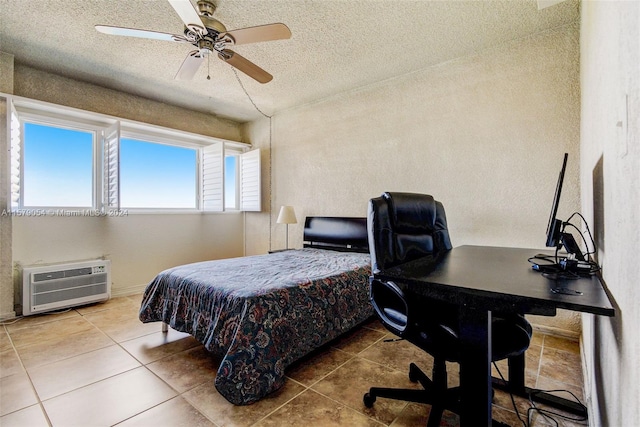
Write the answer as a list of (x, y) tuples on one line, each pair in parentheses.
[(337, 233)]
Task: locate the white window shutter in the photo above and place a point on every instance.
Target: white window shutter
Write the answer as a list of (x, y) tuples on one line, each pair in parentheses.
[(250, 183), (16, 158), (111, 167), (212, 193)]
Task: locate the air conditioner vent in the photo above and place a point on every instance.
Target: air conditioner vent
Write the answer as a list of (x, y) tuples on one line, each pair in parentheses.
[(59, 286)]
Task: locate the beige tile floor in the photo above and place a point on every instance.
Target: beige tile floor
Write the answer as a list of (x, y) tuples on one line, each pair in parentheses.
[(100, 366)]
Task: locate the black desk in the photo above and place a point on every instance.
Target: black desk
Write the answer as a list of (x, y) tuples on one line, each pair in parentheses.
[(482, 279)]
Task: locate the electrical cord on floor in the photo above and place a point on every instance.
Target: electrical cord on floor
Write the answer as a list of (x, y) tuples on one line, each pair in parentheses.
[(547, 414), (19, 318), (513, 400), (12, 321)]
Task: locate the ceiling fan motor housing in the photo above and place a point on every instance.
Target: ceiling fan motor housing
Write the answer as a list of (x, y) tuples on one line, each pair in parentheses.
[(206, 7), (206, 15), (213, 25)]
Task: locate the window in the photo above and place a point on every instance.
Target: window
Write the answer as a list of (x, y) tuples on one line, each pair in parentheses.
[(250, 183), (218, 170), (231, 182), (57, 166), (68, 158), (157, 175)]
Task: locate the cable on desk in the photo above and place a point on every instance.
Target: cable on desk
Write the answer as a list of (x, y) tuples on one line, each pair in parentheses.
[(593, 266), (553, 267), (549, 259), (586, 224)]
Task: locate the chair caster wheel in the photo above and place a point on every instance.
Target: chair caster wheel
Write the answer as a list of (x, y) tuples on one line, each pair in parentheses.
[(368, 400)]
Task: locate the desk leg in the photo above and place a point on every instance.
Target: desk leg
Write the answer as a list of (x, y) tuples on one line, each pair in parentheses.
[(516, 372), (475, 367)]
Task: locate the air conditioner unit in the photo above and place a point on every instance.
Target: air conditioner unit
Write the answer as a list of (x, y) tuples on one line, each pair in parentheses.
[(53, 287)]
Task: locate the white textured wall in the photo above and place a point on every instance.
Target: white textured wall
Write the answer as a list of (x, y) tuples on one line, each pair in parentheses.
[(139, 246), (36, 84), (484, 134), (6, 287), (610, 181)]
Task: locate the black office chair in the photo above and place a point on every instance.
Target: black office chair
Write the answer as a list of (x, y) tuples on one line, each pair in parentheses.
[(403, 227)]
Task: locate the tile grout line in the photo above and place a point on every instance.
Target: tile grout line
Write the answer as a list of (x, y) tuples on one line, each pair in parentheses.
[(352, 356), (194, 406), (40, 402), (33, 388), (113, 342), (309, 387), (362, 413), (142, 365), (276, 409)]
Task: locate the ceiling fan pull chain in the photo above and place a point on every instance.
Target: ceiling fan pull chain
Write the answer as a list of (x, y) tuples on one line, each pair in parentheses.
[(249, 96), (208, 66)]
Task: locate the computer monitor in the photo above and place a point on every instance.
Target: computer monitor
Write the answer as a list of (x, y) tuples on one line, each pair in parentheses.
[(556, 237), (554, 227)]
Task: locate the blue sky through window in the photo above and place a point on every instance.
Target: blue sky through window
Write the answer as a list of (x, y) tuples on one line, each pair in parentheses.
[(58, 166), (58, 171), (230, 166), (157, 175)]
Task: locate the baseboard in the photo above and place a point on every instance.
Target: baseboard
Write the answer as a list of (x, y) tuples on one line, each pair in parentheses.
[(7, 316), (586, 382), (561, 333), (128, 290)]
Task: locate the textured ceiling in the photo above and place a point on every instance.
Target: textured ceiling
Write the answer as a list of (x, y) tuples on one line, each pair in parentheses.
[(336, 46)]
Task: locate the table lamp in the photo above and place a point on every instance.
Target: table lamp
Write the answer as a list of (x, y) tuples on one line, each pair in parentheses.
[(287, 216)]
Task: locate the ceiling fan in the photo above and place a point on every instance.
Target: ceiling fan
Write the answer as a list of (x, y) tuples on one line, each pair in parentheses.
[(208, 34)]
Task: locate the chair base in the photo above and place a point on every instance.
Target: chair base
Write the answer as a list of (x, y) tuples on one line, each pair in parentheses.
[(434, 392)]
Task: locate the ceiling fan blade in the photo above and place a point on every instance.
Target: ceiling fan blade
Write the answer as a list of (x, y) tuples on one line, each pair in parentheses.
[(244, 65), (132, 32), (189, 15), (190, 65), (261, 33)]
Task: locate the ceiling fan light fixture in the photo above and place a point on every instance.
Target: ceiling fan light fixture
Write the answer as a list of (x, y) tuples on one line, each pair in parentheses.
[(206, 45)]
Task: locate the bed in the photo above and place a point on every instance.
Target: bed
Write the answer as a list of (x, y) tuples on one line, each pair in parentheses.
[(261, 313)]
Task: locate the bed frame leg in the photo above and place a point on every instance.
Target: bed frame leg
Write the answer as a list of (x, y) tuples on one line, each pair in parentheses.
[(165, 327)]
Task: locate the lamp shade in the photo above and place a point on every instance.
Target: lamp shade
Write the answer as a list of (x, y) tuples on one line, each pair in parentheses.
[(287, 215)]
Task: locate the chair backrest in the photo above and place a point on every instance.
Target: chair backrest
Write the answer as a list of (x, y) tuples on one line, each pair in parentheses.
[(405, 226)]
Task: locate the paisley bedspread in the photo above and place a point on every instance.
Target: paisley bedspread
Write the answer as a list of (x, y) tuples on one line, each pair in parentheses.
[(261, 313)]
